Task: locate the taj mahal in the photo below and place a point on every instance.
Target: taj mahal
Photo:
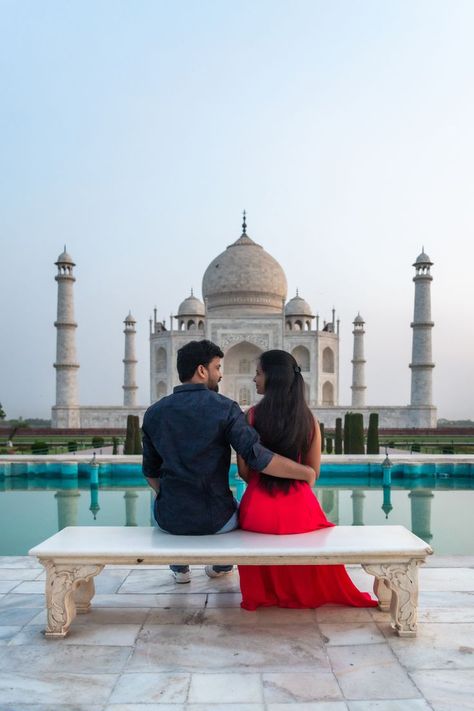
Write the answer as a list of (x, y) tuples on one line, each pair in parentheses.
[(245, 311)]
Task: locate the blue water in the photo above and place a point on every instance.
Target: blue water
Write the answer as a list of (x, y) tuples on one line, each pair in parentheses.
[(435, 502)]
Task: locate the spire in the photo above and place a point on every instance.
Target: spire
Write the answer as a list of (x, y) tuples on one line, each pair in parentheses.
[(297, 291), (192, 291), (244, 224)]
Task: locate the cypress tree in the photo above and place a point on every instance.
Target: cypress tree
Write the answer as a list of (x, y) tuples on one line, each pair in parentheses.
[(338, 436), (357, 436), (137, 436), (129, 438), (115, 443), (329, 445), (347, 433), (373, 434), (321, 428)]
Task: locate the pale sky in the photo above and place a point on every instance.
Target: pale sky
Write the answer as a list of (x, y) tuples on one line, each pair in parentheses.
[(137, 132)]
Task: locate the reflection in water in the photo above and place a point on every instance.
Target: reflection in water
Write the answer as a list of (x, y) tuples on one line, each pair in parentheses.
[(330, 504), (387, 500), (421, 500), (94, 508), (357, 497), (68, 503), (130, 508)]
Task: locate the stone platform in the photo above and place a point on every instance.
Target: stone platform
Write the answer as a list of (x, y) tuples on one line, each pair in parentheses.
[(152, 645)]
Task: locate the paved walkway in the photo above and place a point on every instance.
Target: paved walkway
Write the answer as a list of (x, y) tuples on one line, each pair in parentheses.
[(151, 645)]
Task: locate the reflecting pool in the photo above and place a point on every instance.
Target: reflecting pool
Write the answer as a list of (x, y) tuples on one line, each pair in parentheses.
[(436, 505)]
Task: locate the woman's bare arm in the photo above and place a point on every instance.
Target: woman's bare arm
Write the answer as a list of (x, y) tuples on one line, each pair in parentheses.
[(313, 455)]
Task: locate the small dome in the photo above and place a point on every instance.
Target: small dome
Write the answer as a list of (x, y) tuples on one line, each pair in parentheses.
[(129, 318), (65, 258), (359, 319), (297, 306), (423, 258), (244, 277), (191, 306)]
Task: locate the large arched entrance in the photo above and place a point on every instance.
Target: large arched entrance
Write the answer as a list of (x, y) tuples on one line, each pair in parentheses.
[(238, 373)]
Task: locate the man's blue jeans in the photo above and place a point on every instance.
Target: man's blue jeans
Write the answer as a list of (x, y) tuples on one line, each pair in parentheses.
[(231, 525)]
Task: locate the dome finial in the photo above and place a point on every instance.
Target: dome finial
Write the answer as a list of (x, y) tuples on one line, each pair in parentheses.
[(244, 224), (297, 291), (192, 291)]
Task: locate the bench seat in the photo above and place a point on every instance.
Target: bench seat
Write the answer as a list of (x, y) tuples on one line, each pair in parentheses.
[(76, 554)]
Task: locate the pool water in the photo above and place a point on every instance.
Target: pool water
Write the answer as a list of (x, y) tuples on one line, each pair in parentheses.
[(437, 507)]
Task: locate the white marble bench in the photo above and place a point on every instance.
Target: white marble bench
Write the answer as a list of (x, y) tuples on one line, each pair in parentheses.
[(76, 554)]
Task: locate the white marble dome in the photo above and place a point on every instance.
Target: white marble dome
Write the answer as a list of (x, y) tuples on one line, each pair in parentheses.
[(297, 306), (191, 306), (244, 278)]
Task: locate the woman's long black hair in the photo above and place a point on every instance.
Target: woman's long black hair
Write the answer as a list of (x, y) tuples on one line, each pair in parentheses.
[(282, 418)]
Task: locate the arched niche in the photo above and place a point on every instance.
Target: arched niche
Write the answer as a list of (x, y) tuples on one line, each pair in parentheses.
[(239, 354), (161, 360), (301, 355), (244, 396), (328, 394), (160, 390), (328, 360)]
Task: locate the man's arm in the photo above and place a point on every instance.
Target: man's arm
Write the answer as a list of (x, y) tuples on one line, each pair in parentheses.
[(288, 469), (151, 462), (246, 442)]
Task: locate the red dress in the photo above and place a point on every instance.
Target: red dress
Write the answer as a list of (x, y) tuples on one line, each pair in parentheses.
[(296, 586)]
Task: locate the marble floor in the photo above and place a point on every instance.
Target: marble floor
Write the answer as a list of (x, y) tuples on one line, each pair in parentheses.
[(151, 645)]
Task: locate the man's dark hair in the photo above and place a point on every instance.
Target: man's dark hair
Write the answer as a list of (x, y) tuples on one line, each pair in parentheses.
[(193, 354)]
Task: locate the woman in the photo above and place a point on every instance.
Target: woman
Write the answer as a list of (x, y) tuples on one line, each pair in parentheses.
[(271, 505)]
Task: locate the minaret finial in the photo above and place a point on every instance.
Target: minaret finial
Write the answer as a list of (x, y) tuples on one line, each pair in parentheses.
[(297, 291), (192, 291), (244, 224)]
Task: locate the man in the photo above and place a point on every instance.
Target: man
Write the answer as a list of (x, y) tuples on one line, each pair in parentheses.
[(187, 439)]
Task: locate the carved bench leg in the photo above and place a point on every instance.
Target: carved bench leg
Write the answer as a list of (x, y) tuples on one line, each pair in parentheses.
[(383, 594), (62, 583), (402, 579), (83, 595)]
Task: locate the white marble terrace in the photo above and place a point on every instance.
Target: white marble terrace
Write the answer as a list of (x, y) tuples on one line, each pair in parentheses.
[(150, 644)]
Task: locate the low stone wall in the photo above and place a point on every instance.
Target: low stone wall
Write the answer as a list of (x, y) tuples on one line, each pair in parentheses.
[(100, 417)]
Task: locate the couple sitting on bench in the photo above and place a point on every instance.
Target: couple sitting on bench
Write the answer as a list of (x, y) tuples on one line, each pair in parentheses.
[(186, 458)]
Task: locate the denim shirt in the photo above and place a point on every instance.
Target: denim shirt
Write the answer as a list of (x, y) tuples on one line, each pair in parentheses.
[(187, 438)]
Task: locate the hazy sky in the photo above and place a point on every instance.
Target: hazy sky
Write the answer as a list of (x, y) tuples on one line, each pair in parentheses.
[(137, 132)]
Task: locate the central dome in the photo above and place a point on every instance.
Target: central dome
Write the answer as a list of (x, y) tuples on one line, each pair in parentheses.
[(244, 278)]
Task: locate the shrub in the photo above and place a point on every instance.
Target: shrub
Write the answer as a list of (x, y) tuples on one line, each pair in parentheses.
[(115, 444), (415, 447), (133, 444), (137, 438), (373, 434), (97, 442), (72, 446), (39, 447), (338, 436), (347, 433), (357, 436)]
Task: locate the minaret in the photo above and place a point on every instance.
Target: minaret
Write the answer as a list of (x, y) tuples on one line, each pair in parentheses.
[(421, 360), (358, 386), (66, 365), (130, 361)]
